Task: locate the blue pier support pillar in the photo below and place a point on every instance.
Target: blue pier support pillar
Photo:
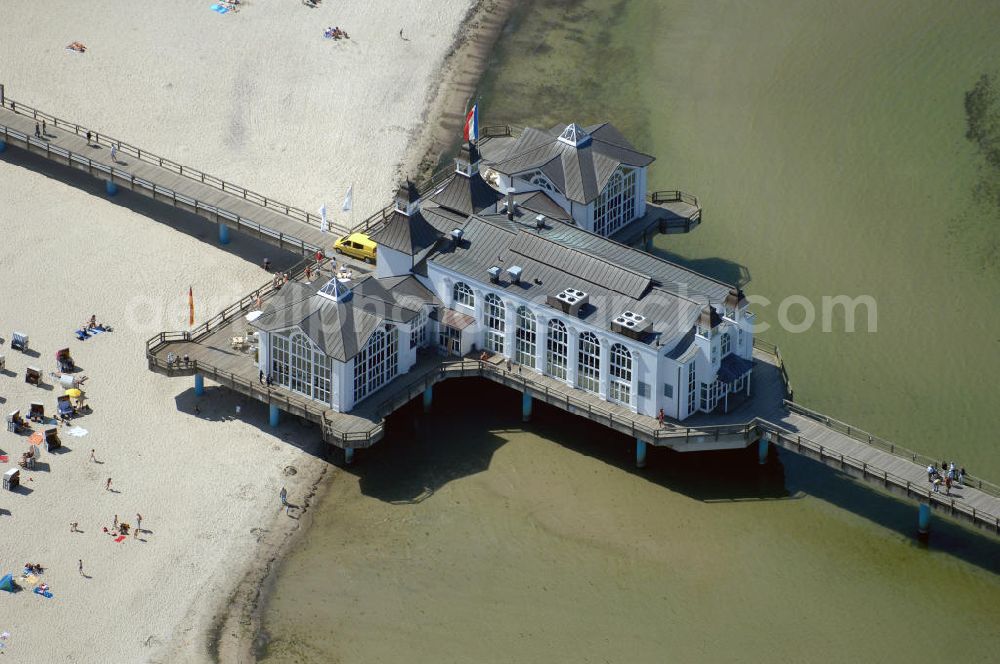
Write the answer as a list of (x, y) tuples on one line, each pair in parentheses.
[(111, 188), (526, 407), (274, 415), (199, 385), (762, 448), (3, 146), (640, 453), (924, 518), (223, 234), (348, 455), (428, 398)]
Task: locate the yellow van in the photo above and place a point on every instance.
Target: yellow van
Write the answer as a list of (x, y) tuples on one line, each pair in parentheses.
[(357, 245)]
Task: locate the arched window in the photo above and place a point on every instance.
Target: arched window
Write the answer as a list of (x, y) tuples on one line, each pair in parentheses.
[(588, 370), (557, 350), (524, 339), (295, 364), (377, 362), (620, 375), (494, 320), (727, 344), (463, 294), (615, 207)]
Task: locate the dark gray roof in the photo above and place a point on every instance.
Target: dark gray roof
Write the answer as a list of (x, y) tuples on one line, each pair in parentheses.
[(681, 349), (442, 219), (409, 234), (466, 194), (541, 203), (580, 172), (341, 329), (549, 268), (732, 367), (664, 274)]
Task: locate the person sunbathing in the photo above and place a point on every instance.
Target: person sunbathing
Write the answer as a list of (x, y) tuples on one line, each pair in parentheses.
[(77, 46)]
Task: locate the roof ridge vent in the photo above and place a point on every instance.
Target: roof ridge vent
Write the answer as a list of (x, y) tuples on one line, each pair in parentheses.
[(574, 135)]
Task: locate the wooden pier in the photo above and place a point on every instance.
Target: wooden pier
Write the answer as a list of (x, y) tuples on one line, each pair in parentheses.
[(221, 202)]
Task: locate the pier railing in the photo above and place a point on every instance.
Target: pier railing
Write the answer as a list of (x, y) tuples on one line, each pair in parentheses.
[(163, 162), (674, 196), (885, 445), (919, 490), (772, 349)]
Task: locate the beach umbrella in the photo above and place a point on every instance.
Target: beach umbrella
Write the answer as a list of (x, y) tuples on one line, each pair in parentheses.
[(36, 438), (73, 392)]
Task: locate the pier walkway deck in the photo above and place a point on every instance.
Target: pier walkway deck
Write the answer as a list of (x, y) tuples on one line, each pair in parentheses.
[(164, 180), (766, 417)]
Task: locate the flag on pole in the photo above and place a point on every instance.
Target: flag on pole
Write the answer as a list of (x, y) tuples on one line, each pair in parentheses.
[(323, 225), (472, 124), (190, 305), (346, 207)]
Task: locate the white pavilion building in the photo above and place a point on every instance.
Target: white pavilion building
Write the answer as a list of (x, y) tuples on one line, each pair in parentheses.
[(509, 256)]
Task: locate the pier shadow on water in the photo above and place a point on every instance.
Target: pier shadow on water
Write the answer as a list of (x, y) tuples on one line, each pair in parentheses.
[(241, 245), (421, 453)]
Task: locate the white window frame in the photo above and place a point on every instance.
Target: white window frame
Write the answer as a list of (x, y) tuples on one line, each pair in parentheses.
[(377, 363), (525, 337), (462, 294), (557, 349), (620, 374), (588, 366), (418, 330), (495, 322), (616, 205)]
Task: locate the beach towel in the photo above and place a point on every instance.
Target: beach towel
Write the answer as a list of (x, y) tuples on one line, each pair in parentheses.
[(4, 458), (44, 593), (79, 432), (121, 538), (81, 335), (219, 9)]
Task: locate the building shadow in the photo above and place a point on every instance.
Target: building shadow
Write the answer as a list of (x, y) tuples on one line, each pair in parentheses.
[(423, 452), (721, 269), (219, 404), (240, 245)]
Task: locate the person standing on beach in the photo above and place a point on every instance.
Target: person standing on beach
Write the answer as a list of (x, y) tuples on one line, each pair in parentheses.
[(107, 485), (138, 524), (114, 526), (92, 457), (73, 527), (79, 566)]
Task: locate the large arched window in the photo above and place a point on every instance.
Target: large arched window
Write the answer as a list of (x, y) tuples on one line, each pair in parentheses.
[(494, 321), (377, 362), (620, 375), (463, 294), (295, 364), (524, 339), (615, 207), (588, 370), (556, 350)]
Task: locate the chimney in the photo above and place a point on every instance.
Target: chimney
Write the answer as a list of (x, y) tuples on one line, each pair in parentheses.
[(510, 203)]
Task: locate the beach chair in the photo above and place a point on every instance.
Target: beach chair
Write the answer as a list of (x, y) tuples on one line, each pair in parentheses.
[(33, 376), (52, 441), (14, 422), (19, 341), (64, 361), (36, 411)]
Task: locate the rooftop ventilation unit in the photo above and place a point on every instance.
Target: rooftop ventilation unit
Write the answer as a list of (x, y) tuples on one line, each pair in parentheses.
[(514, 272), (540, 221), (494, 274), (569, 301), (631, 324), (456, 237)]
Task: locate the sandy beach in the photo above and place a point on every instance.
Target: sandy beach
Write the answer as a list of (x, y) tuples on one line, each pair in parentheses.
[(257, 97)]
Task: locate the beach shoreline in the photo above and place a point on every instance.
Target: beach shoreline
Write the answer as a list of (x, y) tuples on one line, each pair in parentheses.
[(237, 631)]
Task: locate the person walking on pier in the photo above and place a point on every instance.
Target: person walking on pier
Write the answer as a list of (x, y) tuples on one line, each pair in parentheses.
[(931, 472), (88, 139), (38, 130), (44, 129), (660, 417), (961, 476), (114, 154)]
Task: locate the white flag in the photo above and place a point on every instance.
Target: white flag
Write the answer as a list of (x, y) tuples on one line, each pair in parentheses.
[(323, 225), (346, 207)]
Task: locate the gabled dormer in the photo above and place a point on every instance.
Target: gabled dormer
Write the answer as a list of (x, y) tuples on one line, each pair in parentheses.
[(407, 198)]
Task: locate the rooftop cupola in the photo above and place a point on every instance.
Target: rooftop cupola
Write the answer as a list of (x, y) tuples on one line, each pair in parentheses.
[(467, 161), (406, 198), (708, 321), (574, 135), (735, 301)]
